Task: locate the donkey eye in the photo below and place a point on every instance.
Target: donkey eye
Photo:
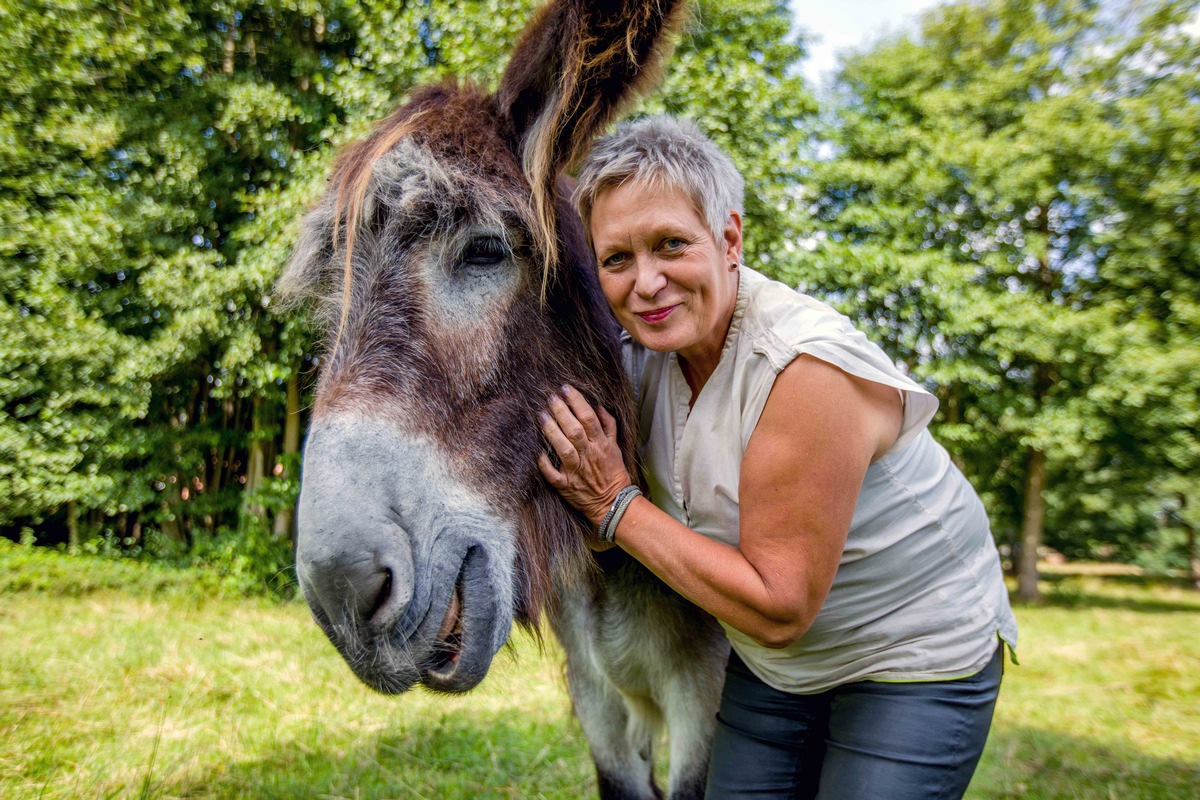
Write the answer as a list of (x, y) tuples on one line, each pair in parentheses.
[(485, 251)]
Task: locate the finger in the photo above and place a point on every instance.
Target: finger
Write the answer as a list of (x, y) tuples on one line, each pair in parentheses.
[(552, 475), (608, 422), (558, 440), (583, 411), (568, 423)]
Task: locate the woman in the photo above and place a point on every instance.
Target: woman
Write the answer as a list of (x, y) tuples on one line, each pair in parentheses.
[(797, 496)]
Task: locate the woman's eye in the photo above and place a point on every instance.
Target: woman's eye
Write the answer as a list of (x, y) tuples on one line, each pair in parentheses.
[(673, 243), (614, 261)]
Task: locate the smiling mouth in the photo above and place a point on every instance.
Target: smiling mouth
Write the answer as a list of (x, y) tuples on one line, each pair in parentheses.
[(657, 315)]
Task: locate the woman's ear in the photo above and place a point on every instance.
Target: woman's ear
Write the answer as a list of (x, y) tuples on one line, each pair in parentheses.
[(733, 239)]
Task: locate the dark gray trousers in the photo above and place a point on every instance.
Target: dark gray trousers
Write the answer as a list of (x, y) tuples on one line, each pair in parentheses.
[(860, 741)]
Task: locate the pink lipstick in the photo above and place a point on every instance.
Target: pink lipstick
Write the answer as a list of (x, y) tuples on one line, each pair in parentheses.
[(657, 315)]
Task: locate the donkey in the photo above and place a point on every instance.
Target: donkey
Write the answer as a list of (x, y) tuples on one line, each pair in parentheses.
[(457, 292)]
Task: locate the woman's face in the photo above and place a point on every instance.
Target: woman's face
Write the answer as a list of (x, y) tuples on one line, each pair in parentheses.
[(669, 283)]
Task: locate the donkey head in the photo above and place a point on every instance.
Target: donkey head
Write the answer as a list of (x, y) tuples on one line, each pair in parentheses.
[(457, 294)]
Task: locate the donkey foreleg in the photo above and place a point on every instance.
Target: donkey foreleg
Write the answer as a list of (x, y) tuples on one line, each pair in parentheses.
[(690, 707), (620, 734)]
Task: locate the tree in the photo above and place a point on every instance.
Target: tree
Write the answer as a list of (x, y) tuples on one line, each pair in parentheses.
[(963, 215), (148, 137), (157, 159), (1150, 283)]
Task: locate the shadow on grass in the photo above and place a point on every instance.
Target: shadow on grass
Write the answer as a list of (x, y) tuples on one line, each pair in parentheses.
[(458, 755), (1037, 765), (1070, 591), (462, 757)]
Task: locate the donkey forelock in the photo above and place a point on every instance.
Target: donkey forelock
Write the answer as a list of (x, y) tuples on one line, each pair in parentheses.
[(439, 161)]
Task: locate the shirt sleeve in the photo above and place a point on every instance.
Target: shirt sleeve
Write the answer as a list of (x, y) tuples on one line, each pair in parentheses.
[(816, 329)]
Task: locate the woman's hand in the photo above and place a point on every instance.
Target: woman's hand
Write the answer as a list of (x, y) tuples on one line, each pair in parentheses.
[(592, 470)]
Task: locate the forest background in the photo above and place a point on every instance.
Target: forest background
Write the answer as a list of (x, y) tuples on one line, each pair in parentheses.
[(1007, 200)]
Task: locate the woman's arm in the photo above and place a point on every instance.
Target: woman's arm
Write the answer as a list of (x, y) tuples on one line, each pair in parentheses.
[(801, 474)]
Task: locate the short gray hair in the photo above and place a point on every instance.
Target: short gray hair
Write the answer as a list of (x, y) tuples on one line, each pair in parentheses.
[(662, 152)]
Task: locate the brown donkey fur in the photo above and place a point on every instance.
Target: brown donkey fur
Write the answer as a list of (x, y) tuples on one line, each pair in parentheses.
[(458, 293)]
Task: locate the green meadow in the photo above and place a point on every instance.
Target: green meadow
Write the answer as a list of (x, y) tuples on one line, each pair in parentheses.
[(166, 689)]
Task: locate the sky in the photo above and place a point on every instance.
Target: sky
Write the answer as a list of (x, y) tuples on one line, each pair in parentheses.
[(836, 25), (848, 24)]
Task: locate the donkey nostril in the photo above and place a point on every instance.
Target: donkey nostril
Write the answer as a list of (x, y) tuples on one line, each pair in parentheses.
[(385, 592), (393, 598), (355, 590)]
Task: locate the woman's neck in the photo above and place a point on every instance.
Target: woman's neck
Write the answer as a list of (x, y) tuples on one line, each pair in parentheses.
[(696, 375), (698, 364)]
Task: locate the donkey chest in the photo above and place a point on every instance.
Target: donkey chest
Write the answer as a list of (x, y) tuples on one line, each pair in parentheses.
[(644, 636)]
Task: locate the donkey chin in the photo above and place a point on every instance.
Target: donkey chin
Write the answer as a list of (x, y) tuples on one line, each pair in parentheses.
[(407, 571)]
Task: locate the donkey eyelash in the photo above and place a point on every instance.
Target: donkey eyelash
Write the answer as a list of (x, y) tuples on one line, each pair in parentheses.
[(485, 251)]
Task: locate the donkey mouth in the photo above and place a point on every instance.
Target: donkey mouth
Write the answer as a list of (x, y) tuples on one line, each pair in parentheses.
[(448, 651), (448, 644), (462, 648)]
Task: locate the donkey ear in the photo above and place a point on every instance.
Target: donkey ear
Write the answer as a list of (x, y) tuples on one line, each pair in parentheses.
[(577, 64)]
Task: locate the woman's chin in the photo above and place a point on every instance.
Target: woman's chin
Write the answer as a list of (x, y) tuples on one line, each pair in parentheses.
[(659, 344), (662, 337)]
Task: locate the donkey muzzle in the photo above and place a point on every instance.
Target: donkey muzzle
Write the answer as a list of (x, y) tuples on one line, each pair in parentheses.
[(405, 569)]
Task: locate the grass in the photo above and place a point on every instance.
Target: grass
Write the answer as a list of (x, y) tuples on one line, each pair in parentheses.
[(164, 693)]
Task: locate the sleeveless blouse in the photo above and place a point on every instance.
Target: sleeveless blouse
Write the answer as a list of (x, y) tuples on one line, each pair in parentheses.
[(919, 592)]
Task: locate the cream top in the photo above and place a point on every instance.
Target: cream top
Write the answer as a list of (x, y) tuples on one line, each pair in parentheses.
[(919, 593)]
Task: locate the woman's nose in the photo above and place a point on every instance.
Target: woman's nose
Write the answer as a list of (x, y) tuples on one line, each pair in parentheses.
[(650, 278)]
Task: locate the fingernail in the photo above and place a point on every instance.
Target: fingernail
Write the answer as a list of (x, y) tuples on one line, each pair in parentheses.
[(565, 389)]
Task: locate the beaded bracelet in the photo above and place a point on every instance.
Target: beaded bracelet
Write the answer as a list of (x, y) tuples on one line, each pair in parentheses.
[(608, 528)]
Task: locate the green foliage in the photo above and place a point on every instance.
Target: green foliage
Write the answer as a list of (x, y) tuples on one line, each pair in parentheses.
[(243, 563), (1010, 210), (249, 561), (157, 157), (27, 569)]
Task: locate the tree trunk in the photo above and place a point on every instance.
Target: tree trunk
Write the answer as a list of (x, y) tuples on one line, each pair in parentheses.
[(1012, 538), (171, 526), (217, 456), (1193, 554), (230, 47), (256, 465), (72, 527), (291, 447), (1033, 520)]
